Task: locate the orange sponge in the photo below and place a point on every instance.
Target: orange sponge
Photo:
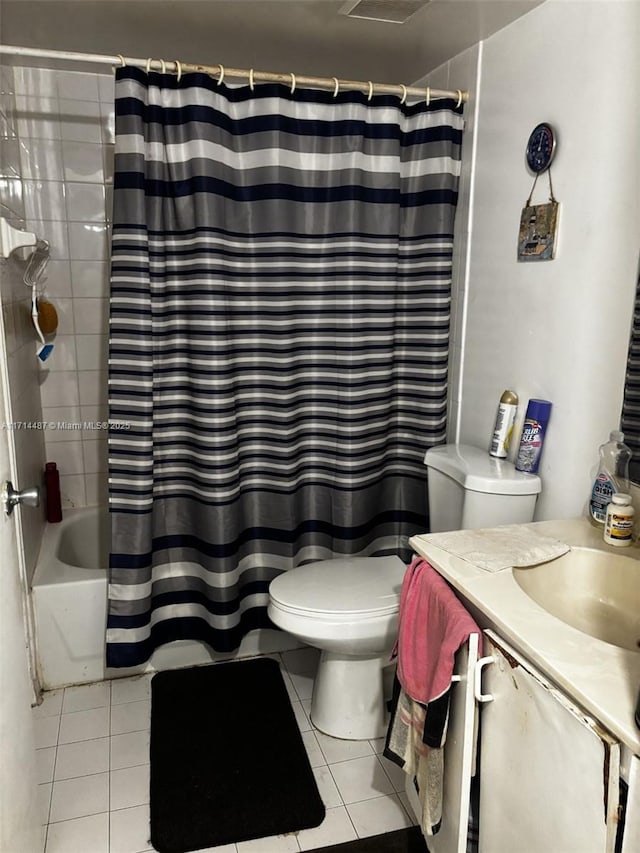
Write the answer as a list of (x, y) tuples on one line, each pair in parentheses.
[(47, 317)]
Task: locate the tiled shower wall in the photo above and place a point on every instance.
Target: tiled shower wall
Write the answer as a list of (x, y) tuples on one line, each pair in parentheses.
[(58, 168)]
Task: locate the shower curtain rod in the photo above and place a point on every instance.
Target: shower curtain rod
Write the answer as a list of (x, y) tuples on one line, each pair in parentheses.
[(221, 71)]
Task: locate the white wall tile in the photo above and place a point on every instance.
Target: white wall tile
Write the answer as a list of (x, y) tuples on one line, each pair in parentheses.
[(83, 161), (57, 280), (41, 159), (92, 386), (72, 490), (30, 80), (95, 455), (92, 351), (80, 121), (85, 202), (88, 241), (63, 356), (91, 316), (78, 85), (60, 389), (90, 279), (37, 117), (69, 457)]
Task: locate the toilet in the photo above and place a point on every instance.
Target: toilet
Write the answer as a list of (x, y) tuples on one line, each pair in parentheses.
[(348, 607)]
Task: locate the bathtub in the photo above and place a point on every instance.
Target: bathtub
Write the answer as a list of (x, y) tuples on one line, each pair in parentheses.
[(69, 596)]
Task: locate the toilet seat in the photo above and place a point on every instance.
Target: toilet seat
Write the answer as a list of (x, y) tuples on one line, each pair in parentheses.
[(344, 588)]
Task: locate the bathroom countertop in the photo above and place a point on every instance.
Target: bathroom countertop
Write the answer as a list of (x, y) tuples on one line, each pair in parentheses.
[(601, 678)]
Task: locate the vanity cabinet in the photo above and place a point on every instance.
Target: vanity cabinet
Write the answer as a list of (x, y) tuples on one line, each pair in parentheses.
[(549, 774)]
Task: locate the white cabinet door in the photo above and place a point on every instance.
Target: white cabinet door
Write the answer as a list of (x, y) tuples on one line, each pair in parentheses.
[(549, 775), (459, 756)]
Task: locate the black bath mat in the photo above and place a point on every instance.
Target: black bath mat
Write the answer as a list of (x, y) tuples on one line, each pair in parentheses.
[(227, 760), (401, 841)]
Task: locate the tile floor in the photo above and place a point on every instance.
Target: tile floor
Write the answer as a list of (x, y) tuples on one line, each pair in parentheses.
[(93, 749)]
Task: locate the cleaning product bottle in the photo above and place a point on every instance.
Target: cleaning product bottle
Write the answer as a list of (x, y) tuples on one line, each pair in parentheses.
[(613, 475), (52, 483), (533, 432), (503, 428), (618, 528)]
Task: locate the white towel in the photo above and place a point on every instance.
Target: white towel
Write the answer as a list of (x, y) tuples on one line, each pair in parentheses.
[(497, 548)]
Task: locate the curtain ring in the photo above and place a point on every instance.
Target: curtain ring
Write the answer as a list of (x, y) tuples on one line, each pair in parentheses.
[(163, 66), (221, 75), (428, 95), (459, 98), (149, 61), (293, 83), (251, 84), (337, 87), (121, 58), (178, 69), (370, 95), (404, 93)]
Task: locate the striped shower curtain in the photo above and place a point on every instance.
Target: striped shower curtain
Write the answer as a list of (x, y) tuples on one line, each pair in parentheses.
[(281, 270)]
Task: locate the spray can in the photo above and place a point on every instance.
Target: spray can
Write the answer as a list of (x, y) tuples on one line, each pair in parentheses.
[(533, 433), (503, 428)]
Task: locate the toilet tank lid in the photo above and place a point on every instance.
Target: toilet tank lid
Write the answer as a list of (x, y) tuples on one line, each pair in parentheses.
[(477, 471)]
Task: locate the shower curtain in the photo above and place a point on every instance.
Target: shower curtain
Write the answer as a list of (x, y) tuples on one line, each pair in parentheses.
[(281, 266)]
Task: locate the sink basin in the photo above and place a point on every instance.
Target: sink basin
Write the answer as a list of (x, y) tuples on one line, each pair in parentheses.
[(597, 592)]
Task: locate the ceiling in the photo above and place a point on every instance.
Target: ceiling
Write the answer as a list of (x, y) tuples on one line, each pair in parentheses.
[(303, 36)]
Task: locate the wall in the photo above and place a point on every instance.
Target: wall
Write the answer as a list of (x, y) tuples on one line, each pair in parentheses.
[(64, 124), (21, 368), (557, 329)]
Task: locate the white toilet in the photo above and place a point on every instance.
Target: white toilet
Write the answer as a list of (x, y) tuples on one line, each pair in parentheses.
[(348, 607)]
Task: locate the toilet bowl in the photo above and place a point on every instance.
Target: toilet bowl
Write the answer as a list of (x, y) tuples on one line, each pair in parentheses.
[(347, 608)]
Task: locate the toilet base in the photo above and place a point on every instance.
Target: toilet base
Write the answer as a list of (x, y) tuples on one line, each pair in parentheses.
[(348, 696)]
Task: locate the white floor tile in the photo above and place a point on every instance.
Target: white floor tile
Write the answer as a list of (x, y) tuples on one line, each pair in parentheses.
[(373, 817), (129, 787), (361, 779), (83, 835), (45, 760), (130, 689), (316, 758), (335, 749), (86, 696), (273, 844), (396, 774), (130, 749), (84, 725), (87, 757), (130, 830), (327, 787), (303, 684), (131, 717), (304, 723), (44, 802), (336, 828), (46, 731), (50, 706), (86, 795), (377, 745), (404, 799)]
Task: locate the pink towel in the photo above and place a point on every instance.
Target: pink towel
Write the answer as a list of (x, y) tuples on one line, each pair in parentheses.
[(433, 625)]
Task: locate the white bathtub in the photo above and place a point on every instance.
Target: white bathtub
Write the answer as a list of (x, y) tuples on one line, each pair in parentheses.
[(69, 592)]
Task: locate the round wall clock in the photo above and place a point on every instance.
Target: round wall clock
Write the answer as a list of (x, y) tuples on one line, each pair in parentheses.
[(541, 148)]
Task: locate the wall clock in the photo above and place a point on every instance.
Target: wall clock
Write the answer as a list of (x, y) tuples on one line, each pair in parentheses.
[(541, 148)]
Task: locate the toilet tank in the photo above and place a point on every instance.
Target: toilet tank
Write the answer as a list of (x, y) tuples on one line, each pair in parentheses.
[(468, 489)]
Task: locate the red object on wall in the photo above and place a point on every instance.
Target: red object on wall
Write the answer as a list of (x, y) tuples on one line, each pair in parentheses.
[(52, 483)]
